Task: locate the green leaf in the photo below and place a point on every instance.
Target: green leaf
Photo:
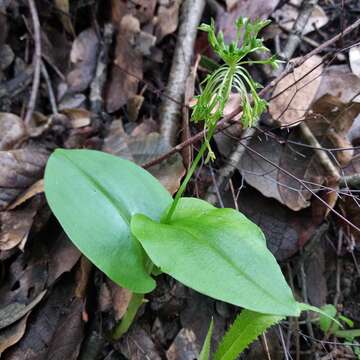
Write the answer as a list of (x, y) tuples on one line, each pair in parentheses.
[(348, 334), (245, 329), (325, 321), (218, 252), (94, 195), (205, 351)]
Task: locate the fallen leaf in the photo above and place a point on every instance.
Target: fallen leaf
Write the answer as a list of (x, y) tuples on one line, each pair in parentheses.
[(184, 346), (20, 169), (34, 189), (55, 331), (338, 81), (167, 19), (15, 225), (127, 69), (354, 59), (83, 57), (294, 94), (255, 9), (137, 344), (12, 131), (270, 181), (287, 15), (12, 334), (78, 117), (144, 147)]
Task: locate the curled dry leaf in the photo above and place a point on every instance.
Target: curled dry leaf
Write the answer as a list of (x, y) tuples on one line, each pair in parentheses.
[(83, 56), (15, 225), (354, 59), (294, 94), (12, 130), (143, 148), (19, 170), (12, 334), (288, 14)]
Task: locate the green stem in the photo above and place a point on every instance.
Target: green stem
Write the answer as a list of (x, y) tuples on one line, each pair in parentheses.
[(188, 176), (123, 326)]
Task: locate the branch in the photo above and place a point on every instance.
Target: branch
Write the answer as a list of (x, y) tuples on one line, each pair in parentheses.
[(36, 62), (171, 110)]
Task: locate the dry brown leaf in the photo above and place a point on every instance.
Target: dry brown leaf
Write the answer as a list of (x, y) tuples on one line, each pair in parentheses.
[(128, 66), (19, 170), (254, 9), (338, 81), (296, 92), (15, 225), (83, 56), (34, 189), (287, 15), (12, 130), (184, 346), (270, 181), (78, 117), (12, 334), (144, 147), (354, 59), (167, 19)]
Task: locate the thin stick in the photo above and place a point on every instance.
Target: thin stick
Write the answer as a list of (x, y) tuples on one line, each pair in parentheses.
[(170, 111), (36, 62)]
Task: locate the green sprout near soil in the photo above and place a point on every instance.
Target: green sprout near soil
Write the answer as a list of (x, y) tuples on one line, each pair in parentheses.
[(129, 226)]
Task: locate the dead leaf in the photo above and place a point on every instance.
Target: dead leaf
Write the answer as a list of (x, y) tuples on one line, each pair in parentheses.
[(338, 81), (78, 117), (143, 148), (294, 94), (15, 225), (15, 311), (34, 189), (12, 131), (272, 182), (167, 19), (128, 66), (12, 334), (254, 9), (137, 344), (287, 15), (55, 331), (19, 170), (354, 59), (184, 346), (83, 57)]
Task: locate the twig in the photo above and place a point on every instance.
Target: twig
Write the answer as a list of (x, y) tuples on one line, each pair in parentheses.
[(52, 98), (97, 85), (36, 62), (295, 37), (170, 110), (321, 155)]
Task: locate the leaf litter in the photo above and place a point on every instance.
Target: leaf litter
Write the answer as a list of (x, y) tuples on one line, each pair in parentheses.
[(52, 301)]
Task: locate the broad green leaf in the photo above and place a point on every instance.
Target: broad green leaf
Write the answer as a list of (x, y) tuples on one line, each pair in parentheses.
[(245, 329), (94, 195), (205, 351), (218, 252)]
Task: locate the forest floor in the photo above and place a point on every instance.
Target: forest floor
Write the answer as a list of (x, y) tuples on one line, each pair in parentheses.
[(95, 75)]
